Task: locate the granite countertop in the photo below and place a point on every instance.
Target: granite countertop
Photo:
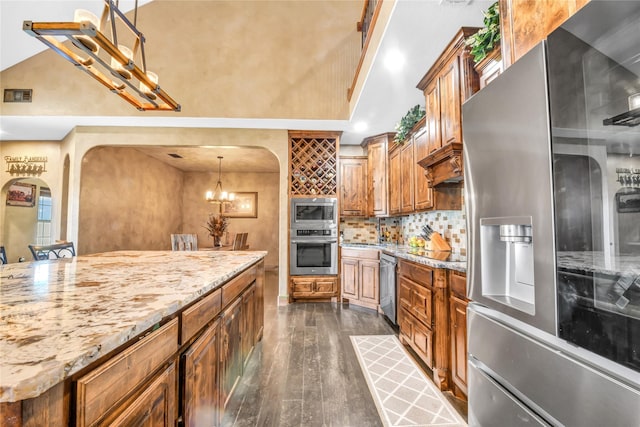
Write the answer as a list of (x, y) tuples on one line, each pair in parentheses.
[(58, 316), (454, 261)]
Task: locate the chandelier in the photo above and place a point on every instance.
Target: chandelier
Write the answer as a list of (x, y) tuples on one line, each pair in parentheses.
[(217, 195), (111, 63)]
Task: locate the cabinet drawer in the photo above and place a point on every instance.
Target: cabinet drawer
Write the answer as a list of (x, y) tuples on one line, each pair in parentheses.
[(300, 286), (361, 253), (404, 323), (234, 288), (199, 314), (420, 274), (101, 389), (458, 283), (325, 286)]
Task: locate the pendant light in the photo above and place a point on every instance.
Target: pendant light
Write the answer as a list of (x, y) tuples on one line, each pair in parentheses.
[(219, 196)]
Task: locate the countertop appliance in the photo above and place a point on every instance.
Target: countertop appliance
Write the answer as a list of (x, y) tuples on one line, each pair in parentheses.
[(554, 329), (314, 213), (313, 252), (388, 291)]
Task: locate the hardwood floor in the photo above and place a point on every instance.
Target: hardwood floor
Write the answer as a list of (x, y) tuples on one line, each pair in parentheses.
[(305, 371)]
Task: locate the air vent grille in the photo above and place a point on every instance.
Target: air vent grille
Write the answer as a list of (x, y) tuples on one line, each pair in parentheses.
[(175, 155), (18, 95)]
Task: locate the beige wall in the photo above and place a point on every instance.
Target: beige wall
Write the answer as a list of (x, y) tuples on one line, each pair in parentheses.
[(263, 230), (231, 59), (128, 201)]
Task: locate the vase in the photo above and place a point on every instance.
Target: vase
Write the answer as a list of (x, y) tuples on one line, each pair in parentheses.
[(216, 241)]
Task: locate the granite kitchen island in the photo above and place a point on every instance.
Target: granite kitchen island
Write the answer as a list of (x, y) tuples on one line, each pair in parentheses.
[(83, 340)]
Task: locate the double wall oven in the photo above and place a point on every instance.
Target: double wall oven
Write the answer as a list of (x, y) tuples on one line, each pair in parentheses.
[(314, 236)]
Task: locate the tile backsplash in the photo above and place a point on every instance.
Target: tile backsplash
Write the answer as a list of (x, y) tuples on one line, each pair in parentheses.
[(450, 224)]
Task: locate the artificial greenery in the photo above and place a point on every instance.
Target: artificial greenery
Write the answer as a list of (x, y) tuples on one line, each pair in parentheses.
[(488, 37), (407, 123)]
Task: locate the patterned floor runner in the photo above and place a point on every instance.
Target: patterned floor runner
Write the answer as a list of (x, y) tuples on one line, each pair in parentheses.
[(403, 394)]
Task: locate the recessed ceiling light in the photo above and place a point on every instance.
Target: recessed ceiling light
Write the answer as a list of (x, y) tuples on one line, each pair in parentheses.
[(360, 126), (394, 60)]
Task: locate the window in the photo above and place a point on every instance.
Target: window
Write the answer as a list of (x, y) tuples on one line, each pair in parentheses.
[(43, 226)]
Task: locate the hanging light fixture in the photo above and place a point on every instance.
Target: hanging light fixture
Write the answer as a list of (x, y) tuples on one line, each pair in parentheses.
[(218, 195), (107, 61)]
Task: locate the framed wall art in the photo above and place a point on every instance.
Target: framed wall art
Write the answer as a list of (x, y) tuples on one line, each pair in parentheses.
[(245, 205), (21, 194)]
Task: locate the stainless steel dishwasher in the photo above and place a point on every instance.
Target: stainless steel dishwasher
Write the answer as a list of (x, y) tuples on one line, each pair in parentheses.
[(388, 286)]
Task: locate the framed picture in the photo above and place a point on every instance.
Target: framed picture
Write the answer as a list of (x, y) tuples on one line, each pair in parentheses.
[(245, 205), (21, 194)]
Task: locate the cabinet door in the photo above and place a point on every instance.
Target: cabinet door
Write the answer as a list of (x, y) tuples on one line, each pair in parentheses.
[(156, 406), (407, 167), (450, 103), (404, 292), (422, 304), (248, 321), (432, 107), (421, 341), (370, 281), (423, 195), (377, 175), (395, 189), (353, 186), (230, 350), (325, 287), (301, 287), (349, 276), (459, 342), (201, 386), (259, 317), (405, 324)]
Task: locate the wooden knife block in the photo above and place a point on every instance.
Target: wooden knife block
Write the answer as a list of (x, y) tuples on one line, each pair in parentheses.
[(437, 243)]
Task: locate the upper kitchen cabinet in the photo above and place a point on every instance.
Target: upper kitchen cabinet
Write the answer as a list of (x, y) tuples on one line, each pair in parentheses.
[(377, 170), (313, 163), (524, 23), (451, 80), (353, 186), (422, 193)]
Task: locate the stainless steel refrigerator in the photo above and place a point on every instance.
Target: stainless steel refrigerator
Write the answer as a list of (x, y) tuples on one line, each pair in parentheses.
[(552, 192)]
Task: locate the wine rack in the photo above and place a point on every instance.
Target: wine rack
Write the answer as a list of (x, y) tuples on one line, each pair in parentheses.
[(313, 164)]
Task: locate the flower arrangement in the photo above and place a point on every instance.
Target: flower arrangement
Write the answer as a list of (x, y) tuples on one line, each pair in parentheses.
[(407, 123), (216, 226)]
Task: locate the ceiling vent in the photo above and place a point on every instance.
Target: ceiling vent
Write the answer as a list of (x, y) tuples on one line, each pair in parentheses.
[(17, 95), (175, 155)]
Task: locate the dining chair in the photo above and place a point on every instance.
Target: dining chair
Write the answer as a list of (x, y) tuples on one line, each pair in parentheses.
[(237, 242), (244, 245), (3, 255), (57, 250), (184, 242)]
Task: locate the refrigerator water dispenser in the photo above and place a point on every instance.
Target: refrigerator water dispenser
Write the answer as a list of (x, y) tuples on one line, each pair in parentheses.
[(507, 262)]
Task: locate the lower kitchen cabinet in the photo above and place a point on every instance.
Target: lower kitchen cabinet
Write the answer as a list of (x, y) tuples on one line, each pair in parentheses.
[(313, 287), (155, 407), (458, 323), (231, 361), (423, 316), (201, 395), (248, 322), (360, 277)]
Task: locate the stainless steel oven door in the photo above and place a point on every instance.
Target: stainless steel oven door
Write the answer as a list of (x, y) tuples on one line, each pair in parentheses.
[(314, 256)]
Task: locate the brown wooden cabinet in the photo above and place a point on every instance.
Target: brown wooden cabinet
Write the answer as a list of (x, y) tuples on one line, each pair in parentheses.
[(524, 23), (423, 313), (448, 83), (353, 186), (230, 367), (313, 287), (377, 173), (406, 177), (201, 394), (395, 183), (248, 322), (360, 277), (490, 67), (423, 194), (458, 324), (155, 407)]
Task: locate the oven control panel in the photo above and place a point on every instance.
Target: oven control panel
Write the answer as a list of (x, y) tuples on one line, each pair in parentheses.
[(314, 233)]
